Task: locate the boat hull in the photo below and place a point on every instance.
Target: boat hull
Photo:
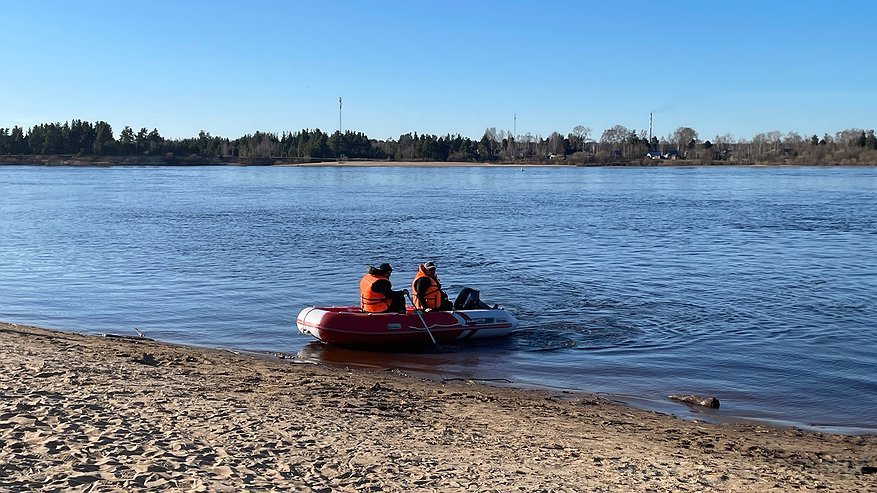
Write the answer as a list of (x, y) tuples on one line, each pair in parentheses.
[(352, 327)]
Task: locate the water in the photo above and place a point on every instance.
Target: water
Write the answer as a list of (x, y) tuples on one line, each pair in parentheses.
[(755, 285)]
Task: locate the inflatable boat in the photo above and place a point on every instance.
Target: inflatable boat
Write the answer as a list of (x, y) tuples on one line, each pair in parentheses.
[(350, 326)]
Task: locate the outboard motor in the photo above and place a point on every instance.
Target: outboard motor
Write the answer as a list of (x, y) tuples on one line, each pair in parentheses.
[(470, 299)]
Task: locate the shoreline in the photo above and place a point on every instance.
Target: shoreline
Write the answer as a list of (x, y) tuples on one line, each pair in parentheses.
[(158, 161), (662, 405), (86, 411)]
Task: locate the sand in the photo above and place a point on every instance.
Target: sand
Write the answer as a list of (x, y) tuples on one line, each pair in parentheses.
[(92, 413)]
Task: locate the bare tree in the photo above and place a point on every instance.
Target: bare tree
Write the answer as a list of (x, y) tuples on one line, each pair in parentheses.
[(759, 147), (793, 140), (774, 136), (582, 132), (512, 148), (848, 137), (615, 135), (529, 140), (682, 137), (724, 139), (577, 138), (555, 144)]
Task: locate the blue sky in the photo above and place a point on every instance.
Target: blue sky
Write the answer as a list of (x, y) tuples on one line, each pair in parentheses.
[(232, 68)]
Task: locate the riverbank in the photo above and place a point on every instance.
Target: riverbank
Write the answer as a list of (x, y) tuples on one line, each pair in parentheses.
[(194, 160), (112, 413), (72, 160)]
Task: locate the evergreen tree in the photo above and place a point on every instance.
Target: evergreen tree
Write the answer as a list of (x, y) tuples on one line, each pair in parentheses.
[(53, 141), (17, 141), (871, 140), (103, 138), (87, 138), (126, 141), (154, 141), (141, 140), (36, 138)]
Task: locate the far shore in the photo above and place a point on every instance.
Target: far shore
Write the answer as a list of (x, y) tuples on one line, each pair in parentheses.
[(92, 413), (75, 160)]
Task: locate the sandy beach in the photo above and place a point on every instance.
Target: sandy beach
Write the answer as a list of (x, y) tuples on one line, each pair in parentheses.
[(92, 413)]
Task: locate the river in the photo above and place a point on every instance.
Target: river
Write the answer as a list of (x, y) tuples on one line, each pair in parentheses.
[(756, 285)]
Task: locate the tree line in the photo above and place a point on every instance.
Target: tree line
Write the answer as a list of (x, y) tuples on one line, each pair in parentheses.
[(615, 145)]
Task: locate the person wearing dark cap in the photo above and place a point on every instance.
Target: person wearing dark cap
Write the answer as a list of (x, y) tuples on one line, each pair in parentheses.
[(427, 288), (376, 293)]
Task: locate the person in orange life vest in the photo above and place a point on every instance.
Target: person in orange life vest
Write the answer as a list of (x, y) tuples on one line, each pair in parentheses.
[(376, 293), (427, 288)]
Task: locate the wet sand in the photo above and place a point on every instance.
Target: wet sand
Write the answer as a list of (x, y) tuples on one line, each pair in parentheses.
[(91, 413)]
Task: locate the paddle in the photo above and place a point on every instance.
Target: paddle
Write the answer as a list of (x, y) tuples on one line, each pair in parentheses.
[(420, 315)]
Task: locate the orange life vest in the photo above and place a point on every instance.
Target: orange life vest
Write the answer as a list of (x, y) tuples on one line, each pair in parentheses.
[(432, 298), (371, 301)]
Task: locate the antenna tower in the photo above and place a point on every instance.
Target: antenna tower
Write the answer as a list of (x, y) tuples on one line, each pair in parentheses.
[(650, 128)]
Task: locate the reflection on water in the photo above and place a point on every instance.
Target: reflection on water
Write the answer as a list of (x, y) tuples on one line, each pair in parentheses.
[(756, 285), (427, 361)]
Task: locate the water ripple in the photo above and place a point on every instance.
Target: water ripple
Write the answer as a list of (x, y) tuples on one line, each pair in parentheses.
[(755, 285)]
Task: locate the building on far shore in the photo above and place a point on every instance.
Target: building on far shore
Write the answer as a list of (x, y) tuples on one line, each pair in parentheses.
[(656, 154)]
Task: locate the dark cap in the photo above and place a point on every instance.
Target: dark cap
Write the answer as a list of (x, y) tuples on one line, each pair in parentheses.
[(429, 265), (385, 267)]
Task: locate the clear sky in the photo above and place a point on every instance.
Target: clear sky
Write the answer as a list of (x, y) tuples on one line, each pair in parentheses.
[(231, 68)]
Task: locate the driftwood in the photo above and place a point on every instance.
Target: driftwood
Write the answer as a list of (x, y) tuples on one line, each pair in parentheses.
[(130, 338), (696, 400)]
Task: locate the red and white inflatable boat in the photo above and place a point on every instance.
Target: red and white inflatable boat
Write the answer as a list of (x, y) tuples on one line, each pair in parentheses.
[(348, 325)]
